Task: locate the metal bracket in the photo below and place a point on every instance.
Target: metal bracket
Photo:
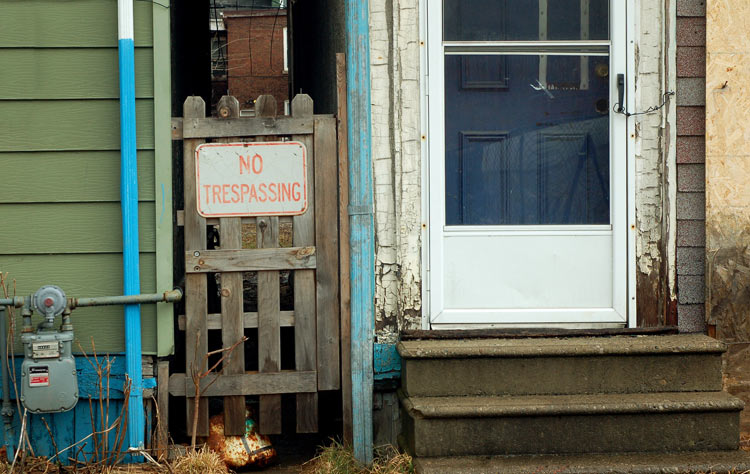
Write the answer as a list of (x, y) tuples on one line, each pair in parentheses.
[(359, 210)]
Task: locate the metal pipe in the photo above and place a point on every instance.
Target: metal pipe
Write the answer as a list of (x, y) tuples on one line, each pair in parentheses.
[(129, 204), (166, 297), (16, 301), (7, 409), (361, 225)]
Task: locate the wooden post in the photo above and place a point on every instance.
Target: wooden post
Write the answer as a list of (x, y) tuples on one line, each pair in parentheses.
[(346, 374), (196, 306), (162, 403), (327, 251), (304, 281), (232, 328)]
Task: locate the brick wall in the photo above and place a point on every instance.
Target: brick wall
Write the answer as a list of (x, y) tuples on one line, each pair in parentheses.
[(691, 154), (255, 48)]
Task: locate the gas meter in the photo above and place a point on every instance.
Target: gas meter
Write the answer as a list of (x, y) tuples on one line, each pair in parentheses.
[(49, 382)]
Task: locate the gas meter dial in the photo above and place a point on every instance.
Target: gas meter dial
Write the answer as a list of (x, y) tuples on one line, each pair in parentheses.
[(49, 300)]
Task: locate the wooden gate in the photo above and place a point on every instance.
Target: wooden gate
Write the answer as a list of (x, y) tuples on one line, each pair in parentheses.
[(308, 249)]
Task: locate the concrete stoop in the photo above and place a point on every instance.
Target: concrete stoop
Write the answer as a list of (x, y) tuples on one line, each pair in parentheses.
[(700, 462), (497, 405)]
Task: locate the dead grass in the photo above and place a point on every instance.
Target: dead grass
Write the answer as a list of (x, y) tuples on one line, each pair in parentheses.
[(203, 461), (336, 459)]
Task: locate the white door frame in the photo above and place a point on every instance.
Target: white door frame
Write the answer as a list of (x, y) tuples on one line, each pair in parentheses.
[(624, 239)]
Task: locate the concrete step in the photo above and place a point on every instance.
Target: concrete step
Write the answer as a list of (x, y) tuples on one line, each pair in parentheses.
[(660, 463), (538, 366), (570, 424)]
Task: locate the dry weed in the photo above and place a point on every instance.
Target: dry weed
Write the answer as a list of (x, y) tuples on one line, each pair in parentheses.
[(203, 461), (336, 459)]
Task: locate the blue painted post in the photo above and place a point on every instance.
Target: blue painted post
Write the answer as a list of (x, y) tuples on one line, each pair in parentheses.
[(129, 201), (361, 221)]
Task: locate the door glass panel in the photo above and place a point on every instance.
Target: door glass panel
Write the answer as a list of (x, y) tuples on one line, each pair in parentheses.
[(525, 20), (527, 139)]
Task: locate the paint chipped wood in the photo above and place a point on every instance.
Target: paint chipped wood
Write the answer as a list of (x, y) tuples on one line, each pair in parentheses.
[(247, 260)]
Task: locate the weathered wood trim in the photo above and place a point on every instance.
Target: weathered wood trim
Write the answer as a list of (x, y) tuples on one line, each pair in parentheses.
[(250, 260), (251, 383), (249, 320), (240, 127)]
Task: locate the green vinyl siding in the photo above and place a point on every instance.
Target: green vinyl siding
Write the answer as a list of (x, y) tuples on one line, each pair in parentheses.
[(69, 23), (70, 176), (99, 220), (60, 161), (89, 274), (42, 125), (80, 73)]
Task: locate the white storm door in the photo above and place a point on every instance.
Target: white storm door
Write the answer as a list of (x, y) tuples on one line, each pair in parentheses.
[(527, 163)]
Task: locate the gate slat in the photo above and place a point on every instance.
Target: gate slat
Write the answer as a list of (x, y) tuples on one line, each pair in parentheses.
[(327, 250), (250, 260), (269, 304), (196, 307), (285, 381), (269, 328), (304, 283), (232, 330)]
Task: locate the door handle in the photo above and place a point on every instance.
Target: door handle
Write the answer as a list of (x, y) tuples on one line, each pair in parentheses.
[(620, 108)]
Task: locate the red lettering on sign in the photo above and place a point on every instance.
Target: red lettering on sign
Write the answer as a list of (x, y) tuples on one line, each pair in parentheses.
[(286, 191), (244, 164), (296, 195), (257, 160)]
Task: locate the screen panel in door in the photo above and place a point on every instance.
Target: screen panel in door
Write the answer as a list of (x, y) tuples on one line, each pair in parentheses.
[(527, 139)]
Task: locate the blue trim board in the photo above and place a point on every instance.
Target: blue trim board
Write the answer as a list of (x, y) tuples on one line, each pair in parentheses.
[(386, 362), (74, 425), (362, 231)]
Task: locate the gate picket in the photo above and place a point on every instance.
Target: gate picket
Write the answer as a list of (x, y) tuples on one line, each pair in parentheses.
[(303, 231), (196, 304), (232, 330)]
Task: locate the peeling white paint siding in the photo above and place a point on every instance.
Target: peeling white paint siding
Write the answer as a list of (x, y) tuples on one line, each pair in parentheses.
[(394, 49), (650, 150)]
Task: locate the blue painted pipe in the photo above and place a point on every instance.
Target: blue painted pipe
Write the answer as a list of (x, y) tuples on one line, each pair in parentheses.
[(362, 238), (7, 408), (129, 202)]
